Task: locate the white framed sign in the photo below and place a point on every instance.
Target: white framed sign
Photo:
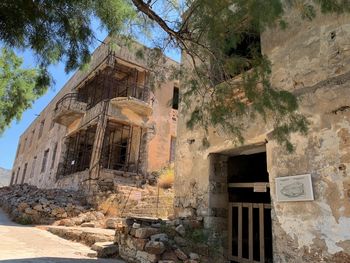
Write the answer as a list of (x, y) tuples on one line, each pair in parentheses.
[(294, 188), (136, 196)]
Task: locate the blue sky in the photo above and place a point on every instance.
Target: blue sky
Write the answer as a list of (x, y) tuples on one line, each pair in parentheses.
[(9, 140)]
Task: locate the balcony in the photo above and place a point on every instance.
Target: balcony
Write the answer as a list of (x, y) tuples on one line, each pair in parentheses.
[(135, 98), (68, 109)]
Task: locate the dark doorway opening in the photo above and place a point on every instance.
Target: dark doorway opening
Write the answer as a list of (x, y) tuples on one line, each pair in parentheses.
[(250, 233)]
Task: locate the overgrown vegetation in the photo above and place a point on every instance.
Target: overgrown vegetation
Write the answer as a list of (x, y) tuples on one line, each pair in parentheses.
[(166, 178), (220, 38), (24, 220)]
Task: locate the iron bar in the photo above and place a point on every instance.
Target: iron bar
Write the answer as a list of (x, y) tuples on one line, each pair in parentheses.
[(138, 157)]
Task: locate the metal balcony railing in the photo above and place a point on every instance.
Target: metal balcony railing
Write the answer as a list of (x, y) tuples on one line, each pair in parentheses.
[(114, 91), (70, 102), (135, 91)]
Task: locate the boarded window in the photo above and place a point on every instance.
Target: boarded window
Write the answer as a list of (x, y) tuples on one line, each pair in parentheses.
[(31, 138), (12, 178), (33, 167), (42, 124), (19, 169), (53, 156), (176, 98), (24, 173), (172, 149), (24, 145), (43, 165)]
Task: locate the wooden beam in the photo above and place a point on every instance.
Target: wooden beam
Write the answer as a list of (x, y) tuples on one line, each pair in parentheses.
[(246, 185), (230, 222), (250, 231), (240, 231), (261, 234)]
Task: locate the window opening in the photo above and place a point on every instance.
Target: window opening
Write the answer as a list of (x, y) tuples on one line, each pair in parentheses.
[(43, 165), (78, 152), (53, 156), (33, 167), (24, 172), (42, 123), (172, 149), (121, 147), (176, 98)]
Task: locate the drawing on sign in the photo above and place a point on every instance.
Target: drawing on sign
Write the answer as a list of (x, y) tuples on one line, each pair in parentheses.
[(294, 188)]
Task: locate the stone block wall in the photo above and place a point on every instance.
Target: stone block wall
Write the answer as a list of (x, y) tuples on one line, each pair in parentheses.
[(146, 201), (152, 241)]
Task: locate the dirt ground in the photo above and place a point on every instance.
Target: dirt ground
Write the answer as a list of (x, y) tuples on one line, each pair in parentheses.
[(29, 244)]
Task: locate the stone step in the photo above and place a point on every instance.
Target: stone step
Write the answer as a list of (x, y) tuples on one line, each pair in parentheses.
[(85, 235), (105, 249)]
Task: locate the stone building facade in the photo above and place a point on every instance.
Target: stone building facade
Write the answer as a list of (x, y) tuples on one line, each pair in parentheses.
[(233, 187), (105, 125)]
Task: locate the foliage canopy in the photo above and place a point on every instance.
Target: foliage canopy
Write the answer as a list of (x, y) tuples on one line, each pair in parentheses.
[(220, 38), (18, 87)]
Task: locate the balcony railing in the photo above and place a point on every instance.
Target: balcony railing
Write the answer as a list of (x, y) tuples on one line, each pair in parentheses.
[(93, 95), (134, 98), (69, 108), (70, 101), (135, 91)]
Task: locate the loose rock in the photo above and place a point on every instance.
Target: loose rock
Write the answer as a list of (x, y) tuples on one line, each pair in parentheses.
[(155, 247)]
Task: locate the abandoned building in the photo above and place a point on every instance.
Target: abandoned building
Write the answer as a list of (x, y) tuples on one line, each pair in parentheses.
[(259, 202), (105, 124)]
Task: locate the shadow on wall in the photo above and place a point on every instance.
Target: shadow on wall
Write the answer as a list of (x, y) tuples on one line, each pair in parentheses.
[(61, 260)]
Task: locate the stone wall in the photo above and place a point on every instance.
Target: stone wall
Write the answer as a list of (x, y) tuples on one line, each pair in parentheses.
[(124, 195), (29, 205), (152, 241), (310, 59), (146, 201)]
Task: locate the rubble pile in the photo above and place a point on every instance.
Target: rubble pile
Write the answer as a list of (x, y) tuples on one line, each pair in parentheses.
[(90, 218), (28, 204), (149, 241)]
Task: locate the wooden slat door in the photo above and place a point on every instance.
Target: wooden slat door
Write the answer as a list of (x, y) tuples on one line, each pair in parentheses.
[(242, 232)]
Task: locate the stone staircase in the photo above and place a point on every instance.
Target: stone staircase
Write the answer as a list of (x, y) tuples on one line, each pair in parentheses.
[(147, 202), (141, 202)]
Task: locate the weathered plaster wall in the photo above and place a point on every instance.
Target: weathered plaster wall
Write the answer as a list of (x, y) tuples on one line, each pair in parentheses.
[(163, 125), (310, 59)]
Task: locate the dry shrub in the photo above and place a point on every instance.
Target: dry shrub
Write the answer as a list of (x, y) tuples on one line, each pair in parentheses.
[(110, 206), (166, 178)]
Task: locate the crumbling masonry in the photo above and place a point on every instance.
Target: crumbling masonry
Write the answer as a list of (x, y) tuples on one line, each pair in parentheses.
[(232, 187)]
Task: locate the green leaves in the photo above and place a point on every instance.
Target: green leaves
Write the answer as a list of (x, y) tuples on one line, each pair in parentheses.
[(333, 6), (54, 31), (18, 87), (60, 30), (234, 89)]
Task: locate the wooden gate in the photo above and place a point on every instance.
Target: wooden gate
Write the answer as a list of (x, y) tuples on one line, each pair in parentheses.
[(247, 232)]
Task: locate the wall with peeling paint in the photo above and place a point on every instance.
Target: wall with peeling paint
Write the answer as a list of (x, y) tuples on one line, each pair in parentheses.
[(312, 60)]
